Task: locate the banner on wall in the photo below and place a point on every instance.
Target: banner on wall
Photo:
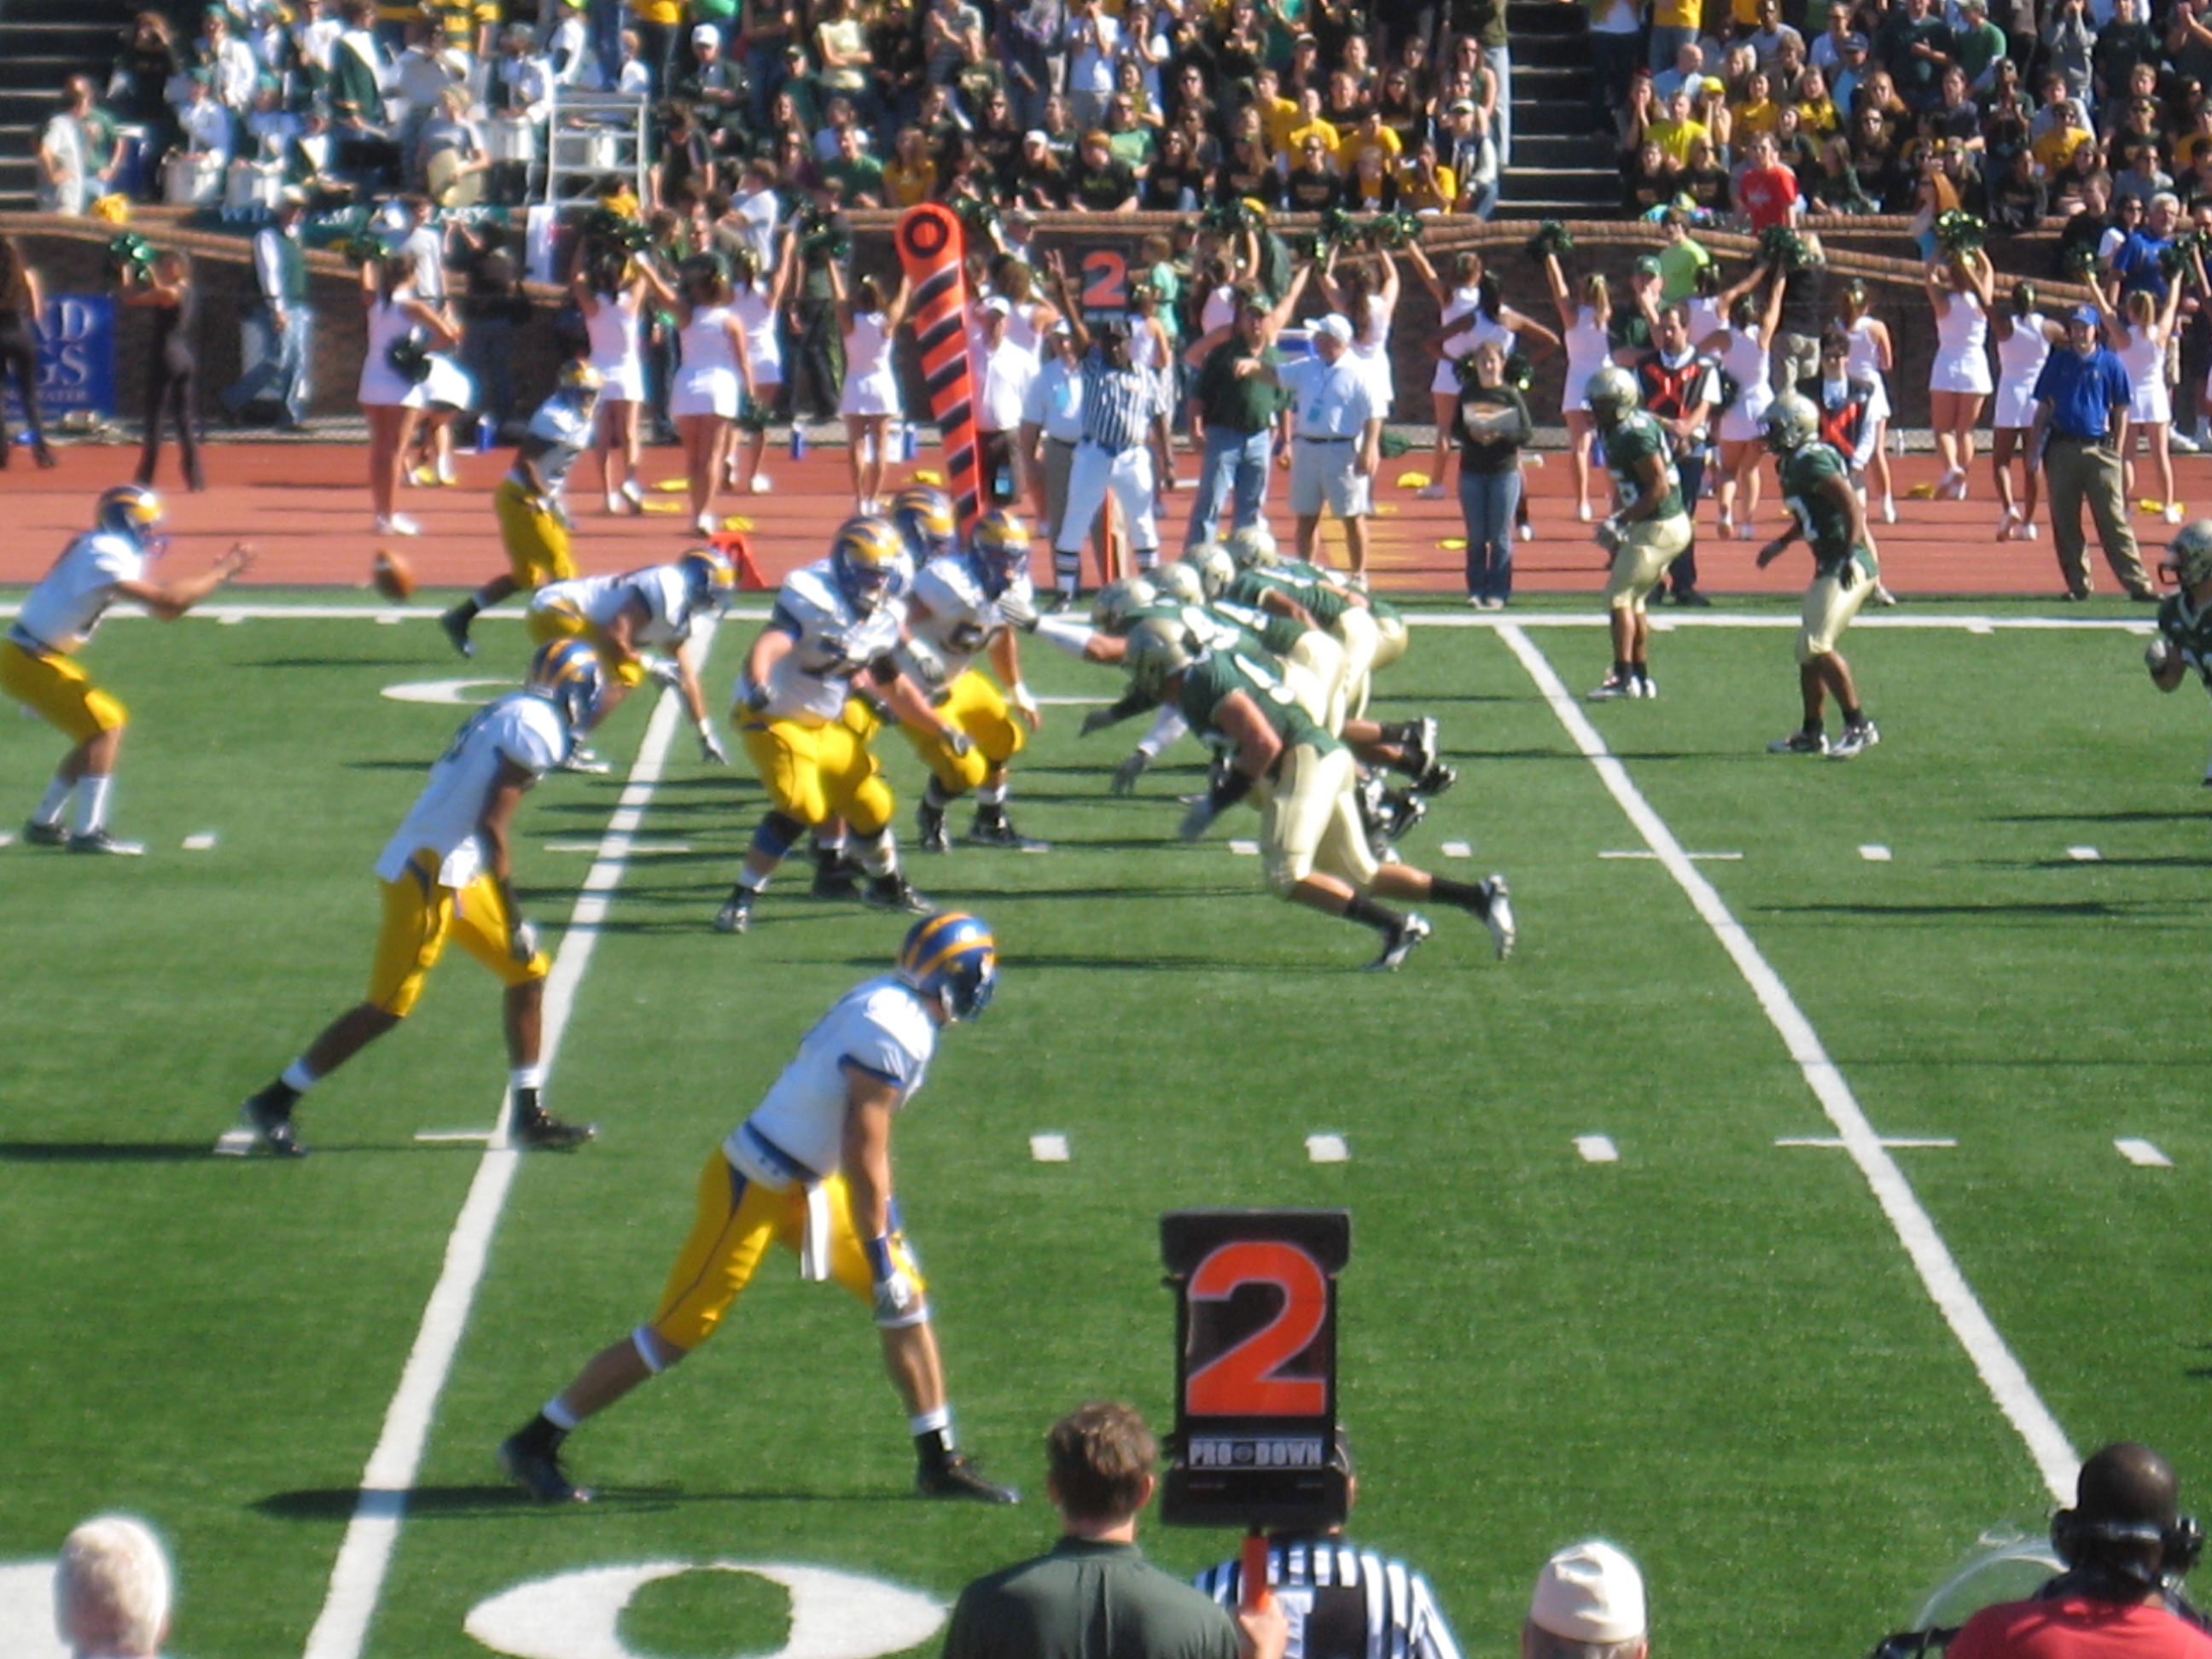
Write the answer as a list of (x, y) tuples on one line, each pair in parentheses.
[(77, 359)]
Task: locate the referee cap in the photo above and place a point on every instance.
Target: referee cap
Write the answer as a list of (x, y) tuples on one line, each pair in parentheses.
[(1589, 1592)]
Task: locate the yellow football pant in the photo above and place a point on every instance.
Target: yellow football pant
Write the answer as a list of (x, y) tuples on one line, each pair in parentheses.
[(547, 623), (818, 773), (57, 690), (736, 1222), (973, 704), (420, 916), (536, 542)]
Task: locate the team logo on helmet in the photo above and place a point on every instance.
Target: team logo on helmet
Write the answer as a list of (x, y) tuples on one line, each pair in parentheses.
[(953, 958), (925, 517), (129, 509), (708, 579), (1113, 606), (1000, 545), (1790, 424), (1611, 392), (868, 561), (2188, 560), (567, 673)]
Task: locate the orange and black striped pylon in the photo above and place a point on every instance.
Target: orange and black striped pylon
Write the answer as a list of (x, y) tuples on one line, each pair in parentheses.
[(932, 249)]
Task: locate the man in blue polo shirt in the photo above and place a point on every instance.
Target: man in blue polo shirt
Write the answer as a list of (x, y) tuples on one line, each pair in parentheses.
[(2082, 431)]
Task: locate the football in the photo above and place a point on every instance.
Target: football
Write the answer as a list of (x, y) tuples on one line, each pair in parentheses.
[(390, 576)]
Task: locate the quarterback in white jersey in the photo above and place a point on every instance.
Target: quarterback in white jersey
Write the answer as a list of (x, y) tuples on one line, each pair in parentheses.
[(39, 670), (807, 730), (811, 1169), (445, 875)]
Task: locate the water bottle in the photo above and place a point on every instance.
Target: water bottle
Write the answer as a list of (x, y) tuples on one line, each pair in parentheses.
[(798, 442), (487, 435), (910, 440)]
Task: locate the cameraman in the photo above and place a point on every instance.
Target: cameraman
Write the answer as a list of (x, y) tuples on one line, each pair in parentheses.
[(2126, 1548)]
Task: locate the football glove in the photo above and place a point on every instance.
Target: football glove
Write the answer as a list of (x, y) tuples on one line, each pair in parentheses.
[(522, 940), (898, 1298), (710, 746), (1126, 774), (958, 742), (1024, 704), (1018, 609), (2158, 653), (755, 698), (664, 670)]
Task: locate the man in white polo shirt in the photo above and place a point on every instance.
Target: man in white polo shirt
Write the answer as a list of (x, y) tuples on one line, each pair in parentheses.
[(1337, 439), (1003, 369)]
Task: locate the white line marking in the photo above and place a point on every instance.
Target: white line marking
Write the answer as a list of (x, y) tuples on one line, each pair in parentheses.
[(463, 692), (2001, 1372), (2084, 854), (7, 837), (1075, 702), (1830, 1143), (638, 849), (1597, 1148), (1875, 853), (1245, 849), (2142, 1154), (1980, 625), (1328, 1149), (357, 1579), (1457, 849), (228, 621), (389, 619), (200, 843), (442, 1137), (1049, 1149), (1645, 853)]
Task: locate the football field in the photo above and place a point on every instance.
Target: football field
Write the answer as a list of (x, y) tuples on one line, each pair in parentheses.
[(1822, 1175)]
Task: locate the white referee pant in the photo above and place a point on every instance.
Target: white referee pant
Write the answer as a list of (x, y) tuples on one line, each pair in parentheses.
[(1129, 475)]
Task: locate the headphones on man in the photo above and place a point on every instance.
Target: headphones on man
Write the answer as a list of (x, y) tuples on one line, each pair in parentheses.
[(2179, 1541)]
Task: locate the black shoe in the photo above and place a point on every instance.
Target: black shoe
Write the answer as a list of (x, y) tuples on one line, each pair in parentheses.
[(99, 841), (736, 915), (1401, 812), (892, 892), (548, 1134), (1398, 944), (836, 878), (1690, 596), (45, 835), (930, 825), (955, 1477), (997, 829), (1498, 916), (538, 1470), (1437, 779), (1421, 747), (271, 1124), (456, 624)]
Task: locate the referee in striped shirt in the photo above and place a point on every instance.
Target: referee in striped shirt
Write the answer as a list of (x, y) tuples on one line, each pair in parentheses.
[(1124, 449), (1342, 1602)]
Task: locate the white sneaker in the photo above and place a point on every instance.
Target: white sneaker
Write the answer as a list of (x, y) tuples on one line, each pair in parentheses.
[(2031, 530), (633, 493), (1430, 492), (1724, 526), (2182, 443), (704, 523), (1583, 514), (1889, 509), (1612, 688), (399, 524), (1528, 533), (1743, 531), (1856, 739), (759, 486), (2173, 513), (614, 504), (1493, 604)]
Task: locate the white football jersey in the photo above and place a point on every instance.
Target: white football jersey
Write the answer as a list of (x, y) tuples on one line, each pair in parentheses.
[(881, 1026), (660, 588), (832, 643), (522, 727), (67, 604), (960, 618), (566, 431)]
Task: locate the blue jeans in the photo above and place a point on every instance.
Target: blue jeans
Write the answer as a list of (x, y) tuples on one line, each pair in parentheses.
[(1500, 59), (1232, 458), (280, 358), (1486, 501)]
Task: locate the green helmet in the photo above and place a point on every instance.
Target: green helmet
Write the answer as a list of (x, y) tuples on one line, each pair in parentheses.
[(1111, 607), (1158, 650), (1216, 569), (1791, 423), (1253, 545), (1611, 393), (1177, 582), (2189, 554)]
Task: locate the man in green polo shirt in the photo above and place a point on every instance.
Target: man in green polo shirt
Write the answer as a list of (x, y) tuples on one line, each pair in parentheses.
[(1094, 1595), (282, 325), (1238, 412)]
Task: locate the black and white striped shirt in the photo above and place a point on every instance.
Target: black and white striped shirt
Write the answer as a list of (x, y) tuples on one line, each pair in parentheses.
[(1343, 1602), (1119, 404)]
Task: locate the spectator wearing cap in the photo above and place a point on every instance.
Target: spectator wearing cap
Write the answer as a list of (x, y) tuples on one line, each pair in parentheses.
[(1336, 436), (2080, 429), (714, 87), (1589, 1604), (205, 122), (280, 327), (1237, 411), (112, 1590), (1851, 70), (2140, 262), (1003, 369)]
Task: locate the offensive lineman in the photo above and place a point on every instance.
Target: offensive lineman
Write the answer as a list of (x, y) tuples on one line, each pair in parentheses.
[(37, 665), (811, 1169), (833, 620), (446, 875), (531, 500), (1647, 528), (1830, 515)]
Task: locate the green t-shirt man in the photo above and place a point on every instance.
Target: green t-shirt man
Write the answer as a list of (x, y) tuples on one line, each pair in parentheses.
[(1246, 404), (1087, 1600)]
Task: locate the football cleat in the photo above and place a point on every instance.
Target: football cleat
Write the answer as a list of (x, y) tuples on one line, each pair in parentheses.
[(1437, 779), (1421, 750), (1397, 943), (995, 829), (1800, 743), (929, 823), (1401, 812), (1854, 740), (548, 1134), (1498, 916), (1645, 687), (955, 1477), (893, 892), (45, 835), (456, 624), (737, 913), (835, 877), (1612, 688), (271, 1124), (537, 1470), (99, 841)]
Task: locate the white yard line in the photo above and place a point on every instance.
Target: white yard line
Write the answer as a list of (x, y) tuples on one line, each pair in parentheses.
[(341, 1630), (2001, 1372)]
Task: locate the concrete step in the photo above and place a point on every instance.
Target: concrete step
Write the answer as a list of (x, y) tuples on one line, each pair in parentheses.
[(1561, 152)]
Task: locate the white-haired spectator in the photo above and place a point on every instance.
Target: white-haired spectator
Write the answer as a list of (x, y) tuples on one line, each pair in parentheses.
[(1589, 1604), (112, 1590)]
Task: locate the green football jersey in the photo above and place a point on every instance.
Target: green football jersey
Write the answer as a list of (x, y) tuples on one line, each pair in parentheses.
[(1209, 682), (1826, 526), (1325, 604), (1629, 444), (1206, 629), (1277, 634), (2188, 631)]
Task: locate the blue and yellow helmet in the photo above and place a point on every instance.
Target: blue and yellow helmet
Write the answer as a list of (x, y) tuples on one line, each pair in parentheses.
[(954, 958), (925, 518), (567, 674), (868, 561), (708, 578), (1000, 550), (130, 509)]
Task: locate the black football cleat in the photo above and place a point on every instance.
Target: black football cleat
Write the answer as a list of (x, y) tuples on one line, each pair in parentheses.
[(100, 841), (1399, 945), (997, 829), (537, 1470), (45, 835), (893, 892), (1436, 780), (545, 1133), (836, 878), (1401, 812), (955, 1477), (930, 827), (1421, 750), (456, 624), (271, 1124), (737, 913)]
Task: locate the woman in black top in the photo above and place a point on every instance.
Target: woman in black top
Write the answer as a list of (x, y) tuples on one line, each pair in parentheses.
[(1491, 424), (1175, 183), (173, 367), (1314, 184), (1248, 174), (21, 306), (1401, 109)]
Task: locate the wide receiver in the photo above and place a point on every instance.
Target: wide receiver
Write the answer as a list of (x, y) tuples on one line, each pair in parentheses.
[(811, 1169), (531, 500), (445, 875), (37, 666), (1647, 530), (1816, 482)]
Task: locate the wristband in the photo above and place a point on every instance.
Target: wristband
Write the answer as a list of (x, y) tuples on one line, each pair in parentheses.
[(1065, 632), (1228, 791), (880, 1264)]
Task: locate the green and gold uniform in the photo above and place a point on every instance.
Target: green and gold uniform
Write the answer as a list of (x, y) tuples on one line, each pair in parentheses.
[(1648, 545), (2189, 631), (1844, 569)]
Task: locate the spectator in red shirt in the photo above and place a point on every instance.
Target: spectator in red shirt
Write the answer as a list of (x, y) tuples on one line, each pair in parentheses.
[(1766, 194)]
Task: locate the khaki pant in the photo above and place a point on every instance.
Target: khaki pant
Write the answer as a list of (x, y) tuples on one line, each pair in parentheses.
[(2076, 471)]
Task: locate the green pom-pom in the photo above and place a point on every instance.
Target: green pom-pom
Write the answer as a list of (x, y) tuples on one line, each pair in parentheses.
[(1550, 238), (1958, 231), (1784, 249), (129, 253)]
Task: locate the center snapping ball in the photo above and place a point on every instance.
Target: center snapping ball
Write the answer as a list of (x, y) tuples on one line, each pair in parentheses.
[(390, 576)]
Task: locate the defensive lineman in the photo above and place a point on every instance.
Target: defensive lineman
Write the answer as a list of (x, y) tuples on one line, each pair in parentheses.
[(38, 667), (1647, 528), (446, 875), (811, 1169), (1830, 515)]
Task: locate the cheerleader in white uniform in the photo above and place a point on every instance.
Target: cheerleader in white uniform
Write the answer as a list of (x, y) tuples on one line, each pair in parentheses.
[(1872, 356), (1370, 300), (758, 304), (612, 326), (1587, 322), (2139, 333), (1030, 322), (2025, 338), (1740, 348), (711, 386), (391, 402), (870, 400), (1960, 291)]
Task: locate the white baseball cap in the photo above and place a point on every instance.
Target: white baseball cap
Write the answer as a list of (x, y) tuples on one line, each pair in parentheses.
[(706, 34), (1589, 1592), (1338, 328)]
